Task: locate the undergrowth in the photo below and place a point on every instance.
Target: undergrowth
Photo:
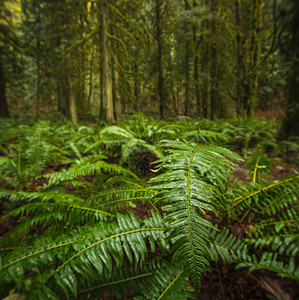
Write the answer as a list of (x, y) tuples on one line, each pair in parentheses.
[(71, 194)]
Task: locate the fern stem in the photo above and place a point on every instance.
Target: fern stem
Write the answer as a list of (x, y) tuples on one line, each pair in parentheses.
[(278, 222), (241, 199), (255, 169), (224, 246), (121, 200), (67, 206), (92, 209), (35, 253), (188, 201), (115, 282), (170, 285), (282, 196)]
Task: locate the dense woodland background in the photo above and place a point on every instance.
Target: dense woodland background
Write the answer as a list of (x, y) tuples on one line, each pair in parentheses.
[(98, 59), (149, 149)]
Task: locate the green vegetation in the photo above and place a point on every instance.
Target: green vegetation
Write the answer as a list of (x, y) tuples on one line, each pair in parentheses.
[(147, 145), (72, 193)]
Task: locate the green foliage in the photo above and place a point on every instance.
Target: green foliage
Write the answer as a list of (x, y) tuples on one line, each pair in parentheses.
[(78, 233), (191, 185)]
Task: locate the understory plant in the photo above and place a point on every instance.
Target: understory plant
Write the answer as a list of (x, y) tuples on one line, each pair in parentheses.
[(80, 235)]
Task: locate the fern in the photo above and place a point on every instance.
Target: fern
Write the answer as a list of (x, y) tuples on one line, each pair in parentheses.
[(190, 187), (227, 248), (130, 143), (101, 247), (266, 200), (270, 262), (85, 167), (76, 236)]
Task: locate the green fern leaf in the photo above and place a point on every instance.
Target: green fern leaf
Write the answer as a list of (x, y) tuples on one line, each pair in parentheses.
[(188, 189)]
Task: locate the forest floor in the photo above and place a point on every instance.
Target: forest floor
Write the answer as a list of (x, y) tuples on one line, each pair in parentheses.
[(222, 282)]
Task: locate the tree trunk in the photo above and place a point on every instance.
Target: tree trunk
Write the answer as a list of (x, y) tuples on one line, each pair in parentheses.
[(199, 111), (38, 58), (90, 83), (255, 54), (38, 101), (214, 66), (70, 99), (71, 95), (136, 87), (116, 94), (3, 102), (187, 73), (240, 60), (207, 83), (161, 88), (290, 126), (106, 111)]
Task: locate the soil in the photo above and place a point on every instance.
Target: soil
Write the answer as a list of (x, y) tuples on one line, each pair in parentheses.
[(225, 283)]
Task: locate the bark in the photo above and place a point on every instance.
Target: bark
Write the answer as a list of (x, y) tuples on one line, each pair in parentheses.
[(4, 112), (38, 73), (240, 60), (38, 100), (208, 81), (71, 103), (214, 67), (256, 54), (136, 87), (106, 112), (187, 65), (290, 126), (199, 111), (71, 95), (116, 94), (90, 83), (161, 88)]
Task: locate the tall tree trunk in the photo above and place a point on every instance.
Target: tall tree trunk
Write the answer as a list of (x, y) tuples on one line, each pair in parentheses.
[(214, 66), (187, 73), (38, 83), (71, 103), (199, 111), (3, 101), (136, 87), (81, 101), (161, 88), (71, 95), (106, 111), (38, 58), (240, 60), (90, 83), (116, 94), (207, 82), (290, 126), (187, 63), (256, 54)]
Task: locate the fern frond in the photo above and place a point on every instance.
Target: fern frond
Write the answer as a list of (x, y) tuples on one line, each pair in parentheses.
[(269, 261), (86, 167), (227, 247), (267, 200), (188, 189), (157, 280), (202, 135), (114, 199), (88, 248)]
